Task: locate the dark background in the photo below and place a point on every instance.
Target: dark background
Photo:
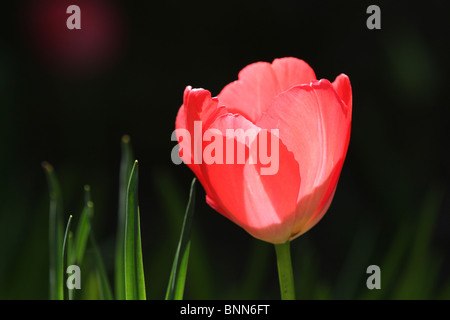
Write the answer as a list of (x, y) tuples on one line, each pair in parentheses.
[(67, 97)]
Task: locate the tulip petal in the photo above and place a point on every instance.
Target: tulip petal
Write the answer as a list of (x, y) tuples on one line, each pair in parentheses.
[(223, 123), (197, 106), (292, 72), (195, 103), (343, 88), (303, 226), (259, 83), (253, 93), (313, 206), (314, 124), (264, 205)]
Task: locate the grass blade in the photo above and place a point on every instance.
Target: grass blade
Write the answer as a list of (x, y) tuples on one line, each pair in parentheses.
[(140, 278), (177, 278), (170, 194), (77, 244), (83, 230), (70, 261), (134, 275), (66, 236), (55, 234), (126, 166), (105, 287)]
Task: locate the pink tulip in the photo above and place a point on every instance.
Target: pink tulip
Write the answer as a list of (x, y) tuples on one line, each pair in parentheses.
[(306, 123)]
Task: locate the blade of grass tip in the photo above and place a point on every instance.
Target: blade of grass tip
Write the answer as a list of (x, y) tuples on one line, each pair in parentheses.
[(70, 249), (87, 193), (105, 287), (134, 276), (126, 165), (66, 235), (70, 261), (175, 289), (83, 229), (55, 234)]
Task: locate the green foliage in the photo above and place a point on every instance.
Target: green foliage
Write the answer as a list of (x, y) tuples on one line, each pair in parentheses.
[(175, 289), (55, 234), (411, 267), (126, 165), (134, 266)]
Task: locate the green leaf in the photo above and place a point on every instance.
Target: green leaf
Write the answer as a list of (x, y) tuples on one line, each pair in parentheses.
[(126, 166), (70, 261), (83, 230), (66, 235), (79, 242), (170, 194), (55, 234), (84, 234), (139, 262), (105, 287), (134, 269), (177, 278)]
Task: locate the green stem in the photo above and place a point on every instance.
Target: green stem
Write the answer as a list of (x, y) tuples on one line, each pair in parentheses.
[(285, 273)]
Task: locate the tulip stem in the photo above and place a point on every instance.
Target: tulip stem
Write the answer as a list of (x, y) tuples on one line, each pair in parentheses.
[(285, 273)]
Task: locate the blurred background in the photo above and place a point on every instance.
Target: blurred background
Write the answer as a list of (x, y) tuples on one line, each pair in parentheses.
[(68, 96)]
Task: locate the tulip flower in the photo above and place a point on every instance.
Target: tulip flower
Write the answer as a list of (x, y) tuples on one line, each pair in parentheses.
[(282, 109)]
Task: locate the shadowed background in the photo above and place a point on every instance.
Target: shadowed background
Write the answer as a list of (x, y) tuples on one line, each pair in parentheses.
[(67, 97)]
